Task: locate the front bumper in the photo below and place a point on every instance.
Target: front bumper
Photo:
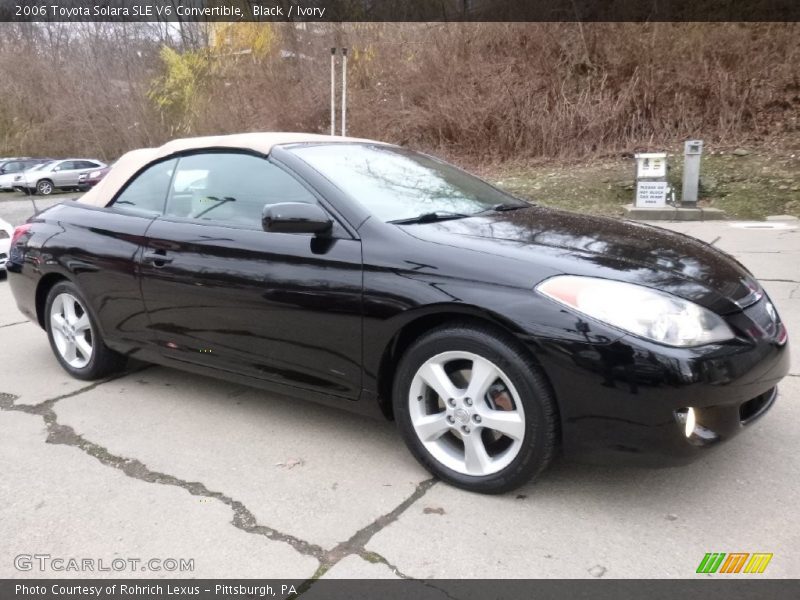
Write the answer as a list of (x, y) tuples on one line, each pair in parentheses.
[(626, 401)]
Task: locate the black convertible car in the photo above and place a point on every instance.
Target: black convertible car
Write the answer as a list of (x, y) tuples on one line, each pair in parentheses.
[(371, 277)]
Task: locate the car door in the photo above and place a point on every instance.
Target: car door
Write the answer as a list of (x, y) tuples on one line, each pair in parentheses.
[(69, 177), (222, 292), (106, 244), (61, 172)]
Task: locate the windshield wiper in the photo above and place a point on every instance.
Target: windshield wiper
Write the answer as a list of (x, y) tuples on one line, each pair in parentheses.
[(440, 215), (503, 207), (430, 217)]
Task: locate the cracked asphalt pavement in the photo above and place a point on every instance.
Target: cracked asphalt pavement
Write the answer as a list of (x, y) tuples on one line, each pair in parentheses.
[(156, 463)]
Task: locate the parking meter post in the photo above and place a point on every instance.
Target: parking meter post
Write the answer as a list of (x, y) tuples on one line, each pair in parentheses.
[(692, 152)]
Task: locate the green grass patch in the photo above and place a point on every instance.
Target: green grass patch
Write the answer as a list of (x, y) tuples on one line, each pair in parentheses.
[(754, 186)]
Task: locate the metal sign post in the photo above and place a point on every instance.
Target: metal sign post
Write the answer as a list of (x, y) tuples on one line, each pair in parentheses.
[(333, 91), (344, 91)]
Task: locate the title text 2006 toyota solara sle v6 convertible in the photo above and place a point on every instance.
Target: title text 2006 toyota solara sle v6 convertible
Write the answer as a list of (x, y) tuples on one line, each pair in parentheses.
[(367, 276)]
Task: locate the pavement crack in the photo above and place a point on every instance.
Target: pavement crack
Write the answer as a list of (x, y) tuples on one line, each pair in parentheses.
[(243, 518), (58, 433), (374, 557), (358, 541), (12, 324)]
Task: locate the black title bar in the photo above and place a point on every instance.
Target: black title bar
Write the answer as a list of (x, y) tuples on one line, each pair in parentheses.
[(318, 11)]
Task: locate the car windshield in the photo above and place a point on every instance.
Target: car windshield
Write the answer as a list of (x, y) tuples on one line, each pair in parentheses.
[(42, 166), (396, 184)]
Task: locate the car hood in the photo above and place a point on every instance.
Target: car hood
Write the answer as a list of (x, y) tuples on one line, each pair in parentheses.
[(564, 242)]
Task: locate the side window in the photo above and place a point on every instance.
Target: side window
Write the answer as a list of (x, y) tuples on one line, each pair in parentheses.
[(63, 166), (230, 188), (86, 164), (147, 192)]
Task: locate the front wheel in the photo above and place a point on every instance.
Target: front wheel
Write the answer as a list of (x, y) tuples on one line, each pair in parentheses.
[(474, 409), (75, 337)]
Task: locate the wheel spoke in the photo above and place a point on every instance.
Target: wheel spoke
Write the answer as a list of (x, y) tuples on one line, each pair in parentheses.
[(483, 375), (60, 340), (508, 423), (431, 427), (70, 351), (58, 321), (82, 323), (433, 374), (476, 459), (69, 310), (83, 347)]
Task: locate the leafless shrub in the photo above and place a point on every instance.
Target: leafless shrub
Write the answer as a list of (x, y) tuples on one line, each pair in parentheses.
[(476, 91)]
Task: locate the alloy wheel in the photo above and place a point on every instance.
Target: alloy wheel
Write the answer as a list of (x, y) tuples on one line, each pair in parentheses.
[(467, 413), (72, 330)]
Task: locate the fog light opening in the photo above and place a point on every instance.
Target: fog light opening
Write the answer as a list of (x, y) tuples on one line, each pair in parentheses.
[(687, 417)]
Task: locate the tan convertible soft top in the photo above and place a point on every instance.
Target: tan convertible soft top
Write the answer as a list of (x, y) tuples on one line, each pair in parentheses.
[(133, 161)]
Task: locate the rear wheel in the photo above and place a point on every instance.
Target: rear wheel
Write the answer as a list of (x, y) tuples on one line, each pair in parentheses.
[(75, 337), (474, 409), (44, 187)]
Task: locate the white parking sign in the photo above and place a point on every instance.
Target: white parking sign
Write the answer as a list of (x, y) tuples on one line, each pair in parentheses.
[(651, 193)]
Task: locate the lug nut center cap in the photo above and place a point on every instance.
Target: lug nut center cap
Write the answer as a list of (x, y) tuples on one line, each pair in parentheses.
[(461, 416)]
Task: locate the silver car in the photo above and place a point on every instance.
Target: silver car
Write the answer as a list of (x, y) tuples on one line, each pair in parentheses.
[(59, 174)]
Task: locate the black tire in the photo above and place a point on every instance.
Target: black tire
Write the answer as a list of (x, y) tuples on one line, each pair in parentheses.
[(103, 361), (539, 441), (44, 187)]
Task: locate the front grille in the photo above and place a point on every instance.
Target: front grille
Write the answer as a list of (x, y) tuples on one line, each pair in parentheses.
[(756, 406)]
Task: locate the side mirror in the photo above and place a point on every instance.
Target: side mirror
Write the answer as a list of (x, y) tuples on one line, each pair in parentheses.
[(295, 217)]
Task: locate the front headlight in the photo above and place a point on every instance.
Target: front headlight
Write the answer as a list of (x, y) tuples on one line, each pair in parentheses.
[(642, 311)]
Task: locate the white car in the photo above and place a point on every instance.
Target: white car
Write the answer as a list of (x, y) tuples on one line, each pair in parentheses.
[(59, 174), (5, 243)]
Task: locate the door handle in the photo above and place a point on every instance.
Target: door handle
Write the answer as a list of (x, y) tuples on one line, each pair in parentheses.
[(158, 258)]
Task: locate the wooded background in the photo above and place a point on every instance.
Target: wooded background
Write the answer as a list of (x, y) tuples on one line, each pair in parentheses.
[(474, 91)]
